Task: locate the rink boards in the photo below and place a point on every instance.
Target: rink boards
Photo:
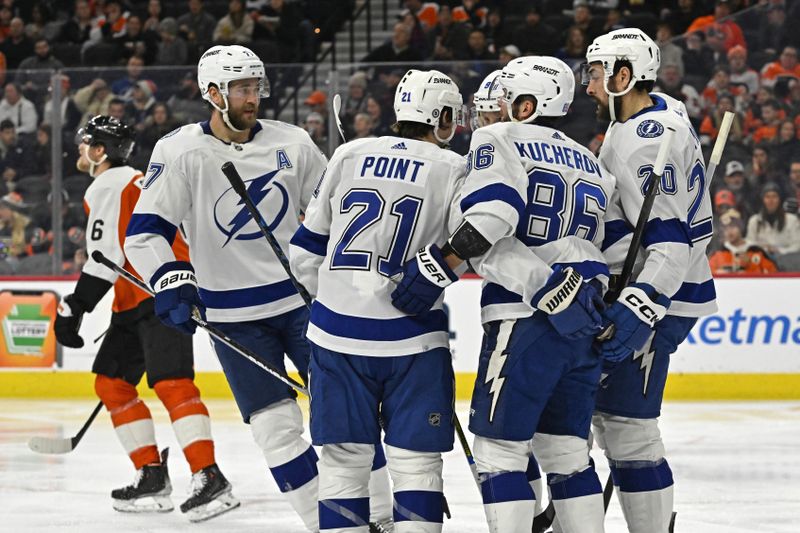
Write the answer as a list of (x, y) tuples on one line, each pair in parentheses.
[(749, 349)]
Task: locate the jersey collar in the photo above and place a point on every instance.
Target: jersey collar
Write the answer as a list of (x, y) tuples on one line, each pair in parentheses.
[(206, 126), (659, 105)]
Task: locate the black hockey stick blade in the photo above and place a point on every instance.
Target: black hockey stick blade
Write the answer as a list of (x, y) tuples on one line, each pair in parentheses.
[(49, 445), (608, 491), (543, 520)]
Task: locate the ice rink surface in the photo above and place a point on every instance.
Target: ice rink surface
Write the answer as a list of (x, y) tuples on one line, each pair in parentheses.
[(736, 465)]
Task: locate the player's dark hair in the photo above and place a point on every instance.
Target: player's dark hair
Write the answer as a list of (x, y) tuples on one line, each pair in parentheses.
[(411, 130), (642, 86), (548, 122)]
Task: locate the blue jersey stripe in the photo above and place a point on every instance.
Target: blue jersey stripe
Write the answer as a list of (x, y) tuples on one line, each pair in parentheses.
[(309, 241), (376, 329), (615, 230), (150, 223), (671, 230), (701, 231), (494, 192), (493, 294), (247, 297), (696, 293)]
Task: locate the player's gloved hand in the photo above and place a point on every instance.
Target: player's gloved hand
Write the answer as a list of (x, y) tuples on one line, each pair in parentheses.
[(572, 305), (633, 317), (176, 296), (424, 279), (68, 322)]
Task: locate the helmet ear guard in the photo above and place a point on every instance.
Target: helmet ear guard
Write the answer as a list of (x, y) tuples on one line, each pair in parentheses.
[(423, 96), (548, 80)]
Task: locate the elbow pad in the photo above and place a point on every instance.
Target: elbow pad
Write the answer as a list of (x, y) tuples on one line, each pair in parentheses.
[(466, 242)]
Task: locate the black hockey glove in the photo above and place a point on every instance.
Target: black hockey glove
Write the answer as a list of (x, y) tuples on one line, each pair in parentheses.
[(88, 292)]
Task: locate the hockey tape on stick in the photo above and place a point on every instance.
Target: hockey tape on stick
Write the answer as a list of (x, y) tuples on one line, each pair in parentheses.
[(98, 256), (57, 446), (719, 145), (229, 169), (337, 107)]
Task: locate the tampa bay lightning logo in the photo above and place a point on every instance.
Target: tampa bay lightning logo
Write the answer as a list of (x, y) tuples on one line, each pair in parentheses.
[(649, 129), (232, 217)]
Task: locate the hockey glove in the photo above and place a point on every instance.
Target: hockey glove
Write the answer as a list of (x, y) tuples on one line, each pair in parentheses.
[(424, 279), (68, 322), (572, 305), (633, 316), (176, 296)]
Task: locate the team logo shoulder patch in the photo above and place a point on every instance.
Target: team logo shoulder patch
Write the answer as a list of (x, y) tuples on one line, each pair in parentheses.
[(649, 129)]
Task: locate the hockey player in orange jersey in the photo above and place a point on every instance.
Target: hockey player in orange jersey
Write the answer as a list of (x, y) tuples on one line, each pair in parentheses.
[(137, 341)]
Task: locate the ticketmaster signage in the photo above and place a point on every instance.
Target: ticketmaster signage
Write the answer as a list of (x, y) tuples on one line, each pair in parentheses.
[(757, 329)]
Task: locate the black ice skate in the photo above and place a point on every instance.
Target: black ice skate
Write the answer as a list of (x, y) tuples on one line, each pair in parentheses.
[(211, 495), (149, 492)]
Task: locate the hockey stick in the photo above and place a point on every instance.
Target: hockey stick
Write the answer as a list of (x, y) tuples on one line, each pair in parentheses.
[(337, 106), (55, 446), (229, 169), (98, 256)]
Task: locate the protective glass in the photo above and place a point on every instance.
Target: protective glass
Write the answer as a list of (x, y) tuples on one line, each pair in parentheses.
[(259, 89), (589, 74)]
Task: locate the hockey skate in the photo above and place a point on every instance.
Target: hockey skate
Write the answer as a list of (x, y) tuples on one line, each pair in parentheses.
[(211, 495), (149, 492)]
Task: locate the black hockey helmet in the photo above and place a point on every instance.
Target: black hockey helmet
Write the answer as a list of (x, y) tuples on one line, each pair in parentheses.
[(115, 136)]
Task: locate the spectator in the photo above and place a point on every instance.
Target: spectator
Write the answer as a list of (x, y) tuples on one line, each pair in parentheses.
[(153, 16), (497, 31), (197, 25), (670, 82), (159, 123), (34, 72), (709, 128), (187, 104), (19, 110), (774, 33), (172, 49), (77, 29), (93, 99), (5, 21), (379, 122), (761, 168), (362, 126), (772, 228), (534, 37), (13, 224), (113, 24), (395, 50), (317, 102), (140, 106), (771, 116), (790, 205), (236, 27), (17, 159), (740, 73), (41, 23), (582, 18), (682, 16), (735, 182), (720, 26), (449, 37), (508, 53), (752, 118), (17, 46), (719, 83), (70, 114), (426, 13), (123, 87), (573, 53), (315, 126), (786, 146), (739, 255), (116, 109), (355, 100), (671, 53), (477, 50), (283, 23), (786, 65), (137, 42), (698, 59), (471, 12), (614, 21)]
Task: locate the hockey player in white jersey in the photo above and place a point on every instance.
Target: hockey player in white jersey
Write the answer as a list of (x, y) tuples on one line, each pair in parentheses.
[(533, 203), (379, 200), (239, 282), (672, 275)]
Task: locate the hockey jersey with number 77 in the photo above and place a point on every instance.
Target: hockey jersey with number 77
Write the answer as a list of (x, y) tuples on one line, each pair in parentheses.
[(379, 202)]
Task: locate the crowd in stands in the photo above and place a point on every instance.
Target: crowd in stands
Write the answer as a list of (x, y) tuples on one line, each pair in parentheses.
[(134, 60)]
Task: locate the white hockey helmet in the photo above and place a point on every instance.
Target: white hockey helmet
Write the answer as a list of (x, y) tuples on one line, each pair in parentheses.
[(547, 79), (422, 95), (626, 44), (485, 98), (220, 65)]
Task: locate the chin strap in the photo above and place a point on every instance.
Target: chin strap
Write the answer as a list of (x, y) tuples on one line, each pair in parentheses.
[(94, 164), (224, 112), (612, 105)]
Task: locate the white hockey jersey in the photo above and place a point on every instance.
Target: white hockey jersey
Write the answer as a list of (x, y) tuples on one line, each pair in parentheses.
[(239, 276), (540, 198), (379, 202), (673, 258)]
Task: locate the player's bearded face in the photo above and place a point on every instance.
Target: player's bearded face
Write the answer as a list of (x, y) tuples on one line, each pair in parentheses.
[(597, 91), (243, 98)]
